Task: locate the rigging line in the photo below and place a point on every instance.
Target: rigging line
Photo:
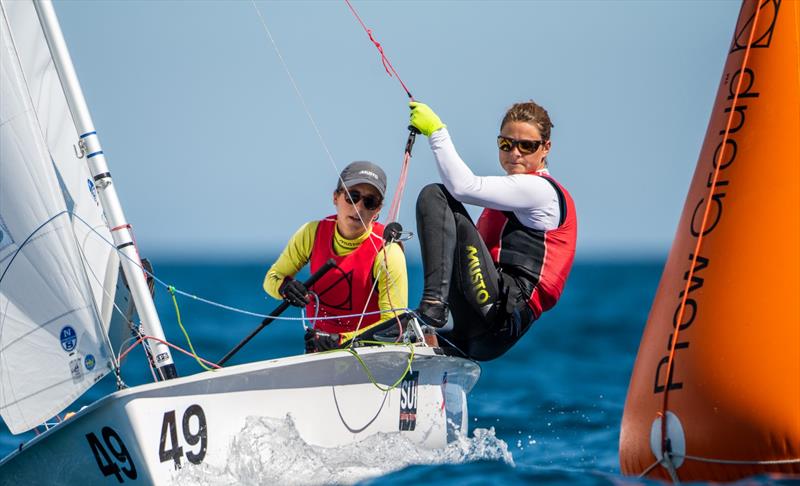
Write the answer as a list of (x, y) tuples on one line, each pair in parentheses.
[(97, 309), (648, 469), (40, 126), (142, 340), (353, 352), (136, 339), (133, 327), (387, 65), (388, 282), (313, 294), (698, 244), (185, 333), (450, 343), (92, 229), (732, 461), (366, 303), (294, 84), (371, 377), (305, 105), (394, 209), (383, 266), (211, 302), (25, 242)]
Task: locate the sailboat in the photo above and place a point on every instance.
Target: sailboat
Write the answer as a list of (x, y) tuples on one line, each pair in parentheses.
[(715, 391), (64, 239)]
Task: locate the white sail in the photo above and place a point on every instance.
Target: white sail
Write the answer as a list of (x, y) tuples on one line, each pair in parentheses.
[(61, 137), (53, 268)]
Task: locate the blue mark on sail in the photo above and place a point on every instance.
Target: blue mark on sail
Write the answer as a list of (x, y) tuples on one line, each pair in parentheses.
[(69, 338), (92, 190), (68, 199), (5, 236), (89, 362)]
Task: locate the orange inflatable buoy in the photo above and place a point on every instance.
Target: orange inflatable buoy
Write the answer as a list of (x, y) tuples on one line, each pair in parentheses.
[(715, 391)]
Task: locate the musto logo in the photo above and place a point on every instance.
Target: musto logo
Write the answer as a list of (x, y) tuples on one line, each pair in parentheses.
[(478, 285), (408, 401)]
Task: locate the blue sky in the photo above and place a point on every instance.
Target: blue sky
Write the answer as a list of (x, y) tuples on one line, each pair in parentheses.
[(213, 153)]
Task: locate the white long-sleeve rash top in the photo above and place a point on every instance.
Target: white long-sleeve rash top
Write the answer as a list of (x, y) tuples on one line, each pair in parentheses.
[(532, 199)]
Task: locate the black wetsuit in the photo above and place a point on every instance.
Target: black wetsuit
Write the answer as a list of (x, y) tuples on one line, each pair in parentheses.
[(489, 306)]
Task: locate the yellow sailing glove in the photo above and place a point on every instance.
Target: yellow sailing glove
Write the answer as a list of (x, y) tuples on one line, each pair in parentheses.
[(424, 119)]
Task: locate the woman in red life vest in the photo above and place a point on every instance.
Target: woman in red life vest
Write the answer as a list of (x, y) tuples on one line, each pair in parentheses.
[(369, 279), (498, 277)]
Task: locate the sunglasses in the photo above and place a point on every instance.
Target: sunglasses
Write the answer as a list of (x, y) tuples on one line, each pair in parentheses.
[(525, 146), (371, 202)]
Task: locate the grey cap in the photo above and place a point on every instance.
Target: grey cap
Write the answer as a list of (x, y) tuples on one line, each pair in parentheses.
[(363, 172)]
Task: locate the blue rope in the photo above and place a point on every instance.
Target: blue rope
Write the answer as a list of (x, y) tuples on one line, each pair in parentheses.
[(36, 231), (211, 302)]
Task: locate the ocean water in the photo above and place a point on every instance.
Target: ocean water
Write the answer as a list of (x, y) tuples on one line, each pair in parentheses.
[(547, 412)]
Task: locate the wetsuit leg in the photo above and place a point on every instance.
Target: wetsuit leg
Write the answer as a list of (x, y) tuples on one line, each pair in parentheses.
[(489, 309), (436, 229), (452, 250)]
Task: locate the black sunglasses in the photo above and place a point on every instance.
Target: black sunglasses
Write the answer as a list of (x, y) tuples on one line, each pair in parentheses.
[(525, 146), (370, 202)]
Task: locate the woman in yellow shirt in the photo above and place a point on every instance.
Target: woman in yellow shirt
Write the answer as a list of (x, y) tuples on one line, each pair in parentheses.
[(370, 280)]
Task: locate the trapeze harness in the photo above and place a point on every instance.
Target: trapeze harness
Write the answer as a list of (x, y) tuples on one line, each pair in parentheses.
[(542, 258), (345, 289)]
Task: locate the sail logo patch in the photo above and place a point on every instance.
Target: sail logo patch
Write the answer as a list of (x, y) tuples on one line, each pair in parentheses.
[(89, 362), (75, 370), (408, 401), (69, 339)]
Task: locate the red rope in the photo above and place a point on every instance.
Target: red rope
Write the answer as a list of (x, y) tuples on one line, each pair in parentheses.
[(394, 209), (135, 246), (177, 348), (385, 60), (698, 244)]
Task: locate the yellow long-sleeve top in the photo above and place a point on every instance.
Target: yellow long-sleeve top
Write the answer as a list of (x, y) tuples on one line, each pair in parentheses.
[(390, 272)]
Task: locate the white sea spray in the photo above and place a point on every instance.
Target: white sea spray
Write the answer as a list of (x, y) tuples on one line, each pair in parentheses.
[(271, 451)]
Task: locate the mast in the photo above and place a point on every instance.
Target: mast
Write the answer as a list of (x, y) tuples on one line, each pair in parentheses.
[(120, 229)]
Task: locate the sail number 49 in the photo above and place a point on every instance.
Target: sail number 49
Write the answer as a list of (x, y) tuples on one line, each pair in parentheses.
[(122, 460), (170, 447)]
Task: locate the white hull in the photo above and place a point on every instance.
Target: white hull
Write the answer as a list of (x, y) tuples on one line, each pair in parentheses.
[(140, 435)]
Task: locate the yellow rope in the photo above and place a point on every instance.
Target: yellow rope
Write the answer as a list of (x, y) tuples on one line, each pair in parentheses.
[(366, 368), (351, 351), (183, 329)]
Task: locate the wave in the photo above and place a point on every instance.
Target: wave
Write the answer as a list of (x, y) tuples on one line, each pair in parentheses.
[(271, 451)]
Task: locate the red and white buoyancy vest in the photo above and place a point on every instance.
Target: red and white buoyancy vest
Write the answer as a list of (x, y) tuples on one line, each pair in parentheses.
[(544, 258), (346, 288)]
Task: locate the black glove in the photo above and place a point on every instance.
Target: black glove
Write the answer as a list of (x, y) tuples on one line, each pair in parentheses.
[(320, 341), (294, 292)]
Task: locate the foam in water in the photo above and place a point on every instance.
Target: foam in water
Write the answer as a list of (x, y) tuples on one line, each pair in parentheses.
[(270, 450)]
